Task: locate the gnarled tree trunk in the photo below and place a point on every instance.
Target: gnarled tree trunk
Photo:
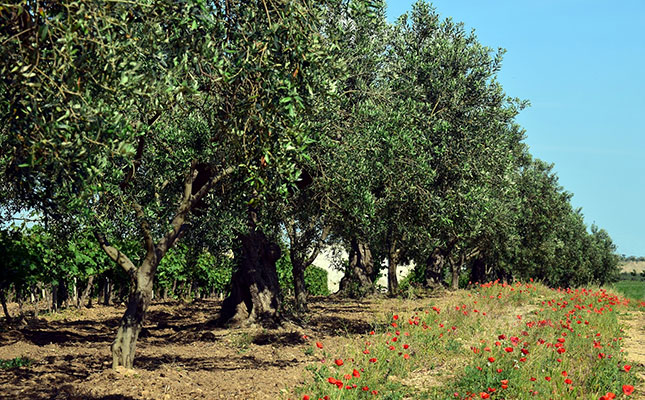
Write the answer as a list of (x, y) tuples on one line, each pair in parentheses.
[(255, 291), (299, 287), (455, 268), (3, 300), (434, 269), (359, 278), (478, 271), (392, 264), (123, 347), (303, 249), (86, 292)]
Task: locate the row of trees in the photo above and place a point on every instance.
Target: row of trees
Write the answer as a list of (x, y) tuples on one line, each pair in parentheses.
[(38, 267), (237, 125)]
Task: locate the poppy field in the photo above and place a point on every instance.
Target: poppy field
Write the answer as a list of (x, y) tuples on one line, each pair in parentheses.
[(493, 341)]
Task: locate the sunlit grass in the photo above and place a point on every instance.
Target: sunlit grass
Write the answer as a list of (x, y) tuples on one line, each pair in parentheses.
[(632, 288), (520, 341)]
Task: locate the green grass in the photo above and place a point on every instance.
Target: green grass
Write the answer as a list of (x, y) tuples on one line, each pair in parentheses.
[(521, 341), (632, 288)]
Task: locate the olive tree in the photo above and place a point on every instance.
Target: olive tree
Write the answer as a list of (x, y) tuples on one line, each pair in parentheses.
[(130, 114)]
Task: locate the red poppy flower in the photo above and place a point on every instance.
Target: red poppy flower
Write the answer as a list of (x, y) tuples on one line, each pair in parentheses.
[(305, 397), (319, 345), (491, 359), (339, 362), (568, 381), (356, 374), (628, 390), (627, 368), (508, 349), (484, 395)]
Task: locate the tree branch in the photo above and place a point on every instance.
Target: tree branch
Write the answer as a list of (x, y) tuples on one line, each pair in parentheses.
[(318, 245), (187, 203), (114, 253), (145, 227)]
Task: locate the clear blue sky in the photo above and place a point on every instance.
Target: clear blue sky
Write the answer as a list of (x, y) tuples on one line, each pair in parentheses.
[(581, 64)]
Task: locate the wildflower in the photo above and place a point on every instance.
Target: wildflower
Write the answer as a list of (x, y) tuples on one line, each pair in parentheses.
[(339, 362), (491, 359), (508, 349), (484, 395), (568, 381), (628, 390), (319, 345), (356, 374), (305, 397), (627, 368)]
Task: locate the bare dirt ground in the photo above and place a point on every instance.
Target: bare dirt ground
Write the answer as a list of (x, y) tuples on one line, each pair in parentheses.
[(634, 344), (180, 354)]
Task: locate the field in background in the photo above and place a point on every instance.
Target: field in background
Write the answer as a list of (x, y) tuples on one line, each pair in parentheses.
[(629, 266), (631, 288)]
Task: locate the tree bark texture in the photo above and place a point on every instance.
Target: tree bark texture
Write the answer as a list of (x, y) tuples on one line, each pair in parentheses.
[(359, 279), (86, 292), (434, 269), (455, 267), (3, 300), (478, 271), (255, 289), (393, 262), (299, 287), (304, 247), (124, 345)]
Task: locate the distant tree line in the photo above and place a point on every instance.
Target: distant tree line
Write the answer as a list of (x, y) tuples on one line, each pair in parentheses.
[(624, 258), (160, 142)]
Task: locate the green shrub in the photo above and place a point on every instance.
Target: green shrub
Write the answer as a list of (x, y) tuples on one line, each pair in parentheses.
[(15, 363), (315, 278)]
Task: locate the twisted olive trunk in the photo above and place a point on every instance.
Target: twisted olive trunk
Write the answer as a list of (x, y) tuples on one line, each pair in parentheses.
[(359, 278), (255, 291), (124, 345), (299, 287)]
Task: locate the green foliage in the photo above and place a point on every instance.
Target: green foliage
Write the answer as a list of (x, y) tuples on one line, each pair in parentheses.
[(202, 269), (315, 278), (15, 363), (316, 281), (146, 122)]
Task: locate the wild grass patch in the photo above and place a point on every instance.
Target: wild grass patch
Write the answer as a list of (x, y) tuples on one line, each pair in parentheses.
[(520, 341)]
